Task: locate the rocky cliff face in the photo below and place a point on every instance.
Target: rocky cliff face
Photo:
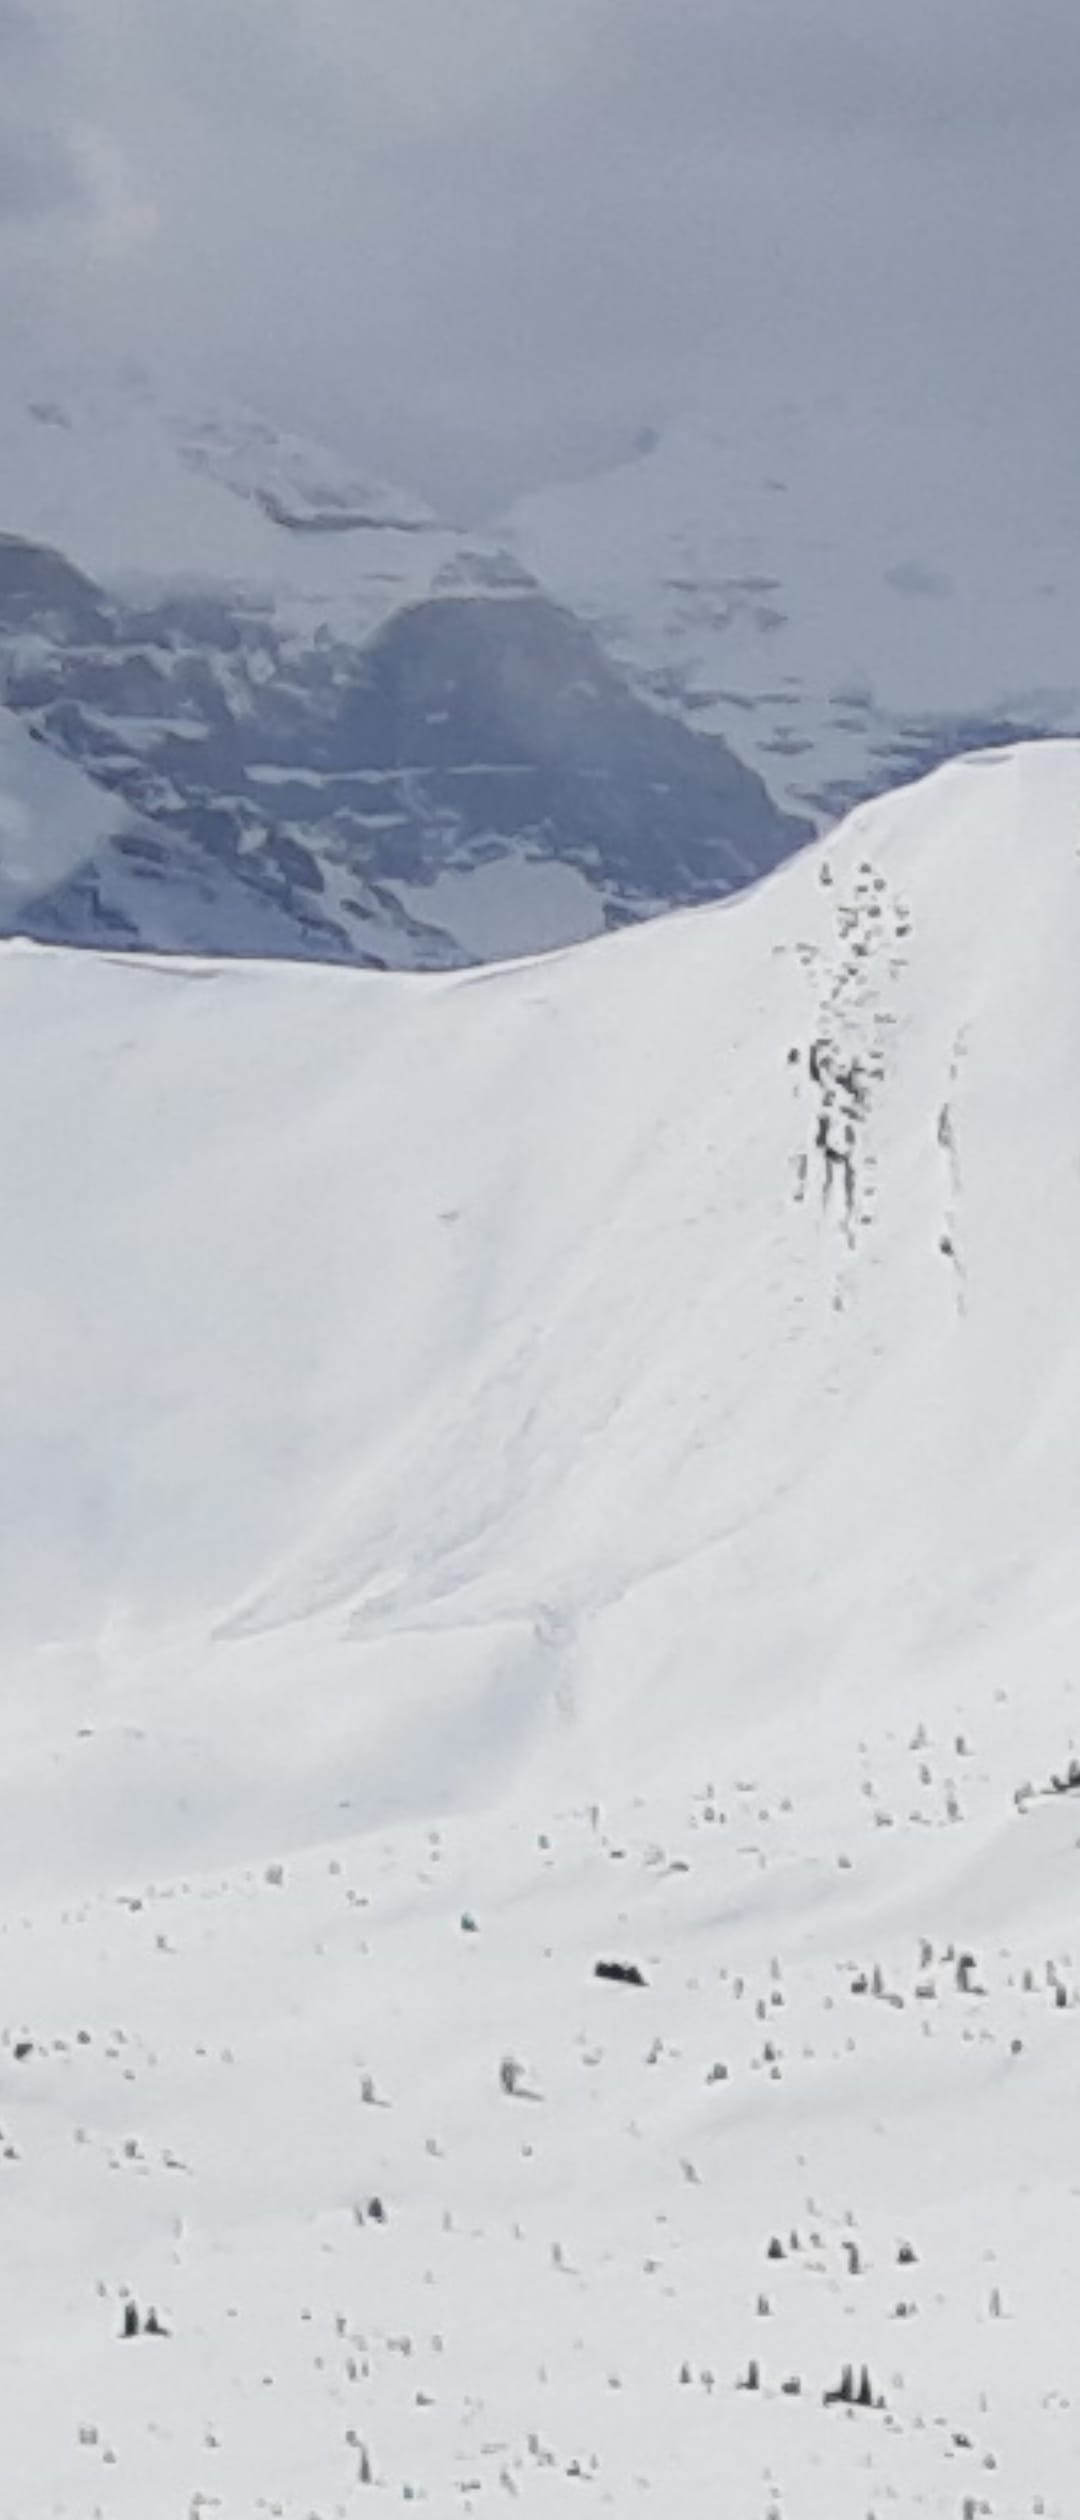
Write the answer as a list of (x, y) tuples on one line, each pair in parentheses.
[(464, 777)]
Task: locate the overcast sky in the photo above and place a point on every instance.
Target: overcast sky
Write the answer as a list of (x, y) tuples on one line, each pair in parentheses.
[(485, 239)]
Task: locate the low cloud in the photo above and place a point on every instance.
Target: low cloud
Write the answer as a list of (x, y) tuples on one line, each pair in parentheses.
[(40, 174), (484, 238)]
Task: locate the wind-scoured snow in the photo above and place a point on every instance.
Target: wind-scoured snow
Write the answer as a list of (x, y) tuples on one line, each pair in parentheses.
[(567, 1464)]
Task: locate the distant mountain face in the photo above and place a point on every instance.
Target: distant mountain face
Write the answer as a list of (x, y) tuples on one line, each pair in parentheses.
[(315, 701), (79, 867), (849, 599)]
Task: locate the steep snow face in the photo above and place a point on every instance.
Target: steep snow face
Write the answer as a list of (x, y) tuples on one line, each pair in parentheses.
[(76, 863), (506, 1471), (51, 818), (847, 597), (479, 1277)]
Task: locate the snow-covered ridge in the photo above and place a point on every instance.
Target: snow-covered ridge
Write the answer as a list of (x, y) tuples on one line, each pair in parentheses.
[(502, 1473), (897, 1015)]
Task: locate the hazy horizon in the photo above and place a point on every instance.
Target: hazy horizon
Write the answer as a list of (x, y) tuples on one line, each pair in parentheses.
[(489, 243)]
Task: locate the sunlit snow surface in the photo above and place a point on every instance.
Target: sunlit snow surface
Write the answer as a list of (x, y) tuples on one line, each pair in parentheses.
[(496, 1473)]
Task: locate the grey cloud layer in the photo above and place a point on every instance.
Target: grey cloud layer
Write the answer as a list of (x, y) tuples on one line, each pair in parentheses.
[(39, 173), (508, 226), (841, 66)]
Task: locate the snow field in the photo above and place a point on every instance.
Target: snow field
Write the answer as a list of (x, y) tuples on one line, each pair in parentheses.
[(565, 1464)]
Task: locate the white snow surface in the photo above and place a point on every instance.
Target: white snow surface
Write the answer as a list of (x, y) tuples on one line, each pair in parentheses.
[(506, 906), (476, 1499)]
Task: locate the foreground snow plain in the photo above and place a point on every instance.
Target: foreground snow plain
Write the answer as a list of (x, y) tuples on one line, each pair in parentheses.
[(576, 1462)]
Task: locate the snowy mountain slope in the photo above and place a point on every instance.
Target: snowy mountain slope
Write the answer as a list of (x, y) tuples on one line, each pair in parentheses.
[(76, 865), (136, 489), (570, 1463), (221, 624), (51, 818), (476, 780), (80, 867), (848, 597)]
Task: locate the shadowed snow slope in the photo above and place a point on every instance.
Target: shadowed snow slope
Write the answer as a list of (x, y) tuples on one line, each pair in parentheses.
[(594, 1442)]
